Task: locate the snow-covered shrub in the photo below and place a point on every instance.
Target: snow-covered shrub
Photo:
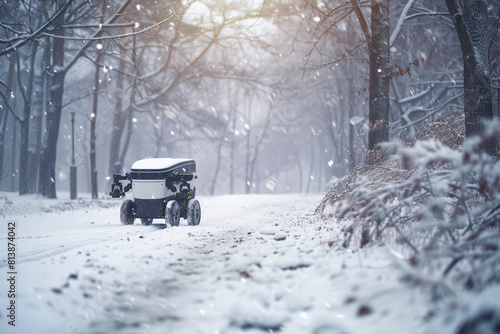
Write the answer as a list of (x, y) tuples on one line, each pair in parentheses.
[(370, 177), (377, 170), (450, 131), (445, 212)]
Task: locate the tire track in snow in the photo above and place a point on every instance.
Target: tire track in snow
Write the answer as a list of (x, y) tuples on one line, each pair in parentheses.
[(204, 264)]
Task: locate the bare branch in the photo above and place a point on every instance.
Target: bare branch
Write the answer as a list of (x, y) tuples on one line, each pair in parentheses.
[(38, 32)]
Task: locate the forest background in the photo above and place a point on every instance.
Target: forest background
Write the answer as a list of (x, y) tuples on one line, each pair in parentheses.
[(267, 96)]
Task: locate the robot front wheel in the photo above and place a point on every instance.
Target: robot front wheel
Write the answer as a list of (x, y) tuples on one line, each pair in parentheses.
[(173, 212), (127, 212), (193, 212)]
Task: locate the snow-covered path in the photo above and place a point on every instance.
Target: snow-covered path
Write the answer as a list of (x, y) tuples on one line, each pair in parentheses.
[(255, 264)]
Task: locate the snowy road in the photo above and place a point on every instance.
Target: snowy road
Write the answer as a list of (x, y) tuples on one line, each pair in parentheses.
[(256, 264)]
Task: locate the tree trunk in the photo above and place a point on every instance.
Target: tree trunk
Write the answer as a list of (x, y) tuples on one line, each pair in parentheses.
[(119, 120), (37, 110), (352, 128), (23, 152), (311, 166), (498, 102), (471, 24), (93, 120), (252, 163), (321, 164), (298, 160), (379, 67), (248, 180), (122, 117), (127, 137), (233, 150), (3, 128), (5, 114), (217, 167), (13, 160), (25, 124), (47, 181), (115, 164)]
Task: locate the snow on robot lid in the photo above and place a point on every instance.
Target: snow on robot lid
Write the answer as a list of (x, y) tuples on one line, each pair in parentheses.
[(163, 165)]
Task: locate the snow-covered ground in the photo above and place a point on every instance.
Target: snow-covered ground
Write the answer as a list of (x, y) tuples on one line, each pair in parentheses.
[(255, 264)]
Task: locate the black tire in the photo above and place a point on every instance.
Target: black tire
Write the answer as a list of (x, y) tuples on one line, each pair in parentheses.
[(172, 213), (127, 212), (194, 212), (146, 221)]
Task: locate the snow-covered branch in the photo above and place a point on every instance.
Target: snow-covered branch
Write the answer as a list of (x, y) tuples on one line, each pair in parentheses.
[(402, 18), (82, 49), (96, 37), (417, 96), (429, 112), (37, 32)]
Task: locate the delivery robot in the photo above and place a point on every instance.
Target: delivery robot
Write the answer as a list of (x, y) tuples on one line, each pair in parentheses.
[(161, 189)]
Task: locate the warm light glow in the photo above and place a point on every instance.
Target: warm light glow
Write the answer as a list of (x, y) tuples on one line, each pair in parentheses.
[(213, 11)]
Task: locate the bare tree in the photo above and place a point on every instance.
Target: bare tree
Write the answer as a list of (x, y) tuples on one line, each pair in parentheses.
[(93, 116), (473, 26), (152, 85)]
